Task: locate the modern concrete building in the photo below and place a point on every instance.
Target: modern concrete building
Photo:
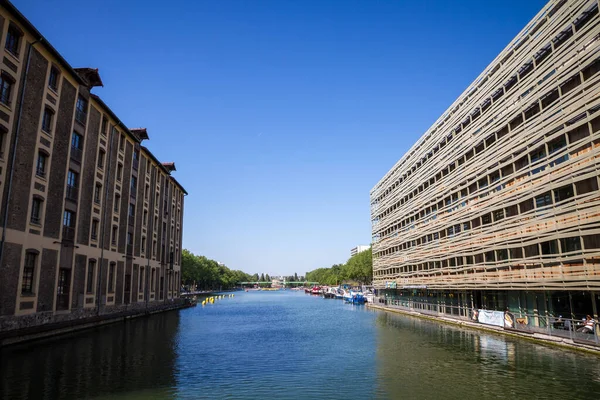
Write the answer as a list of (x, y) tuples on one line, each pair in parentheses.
[(498, 205), (358, 249), (91, 220)]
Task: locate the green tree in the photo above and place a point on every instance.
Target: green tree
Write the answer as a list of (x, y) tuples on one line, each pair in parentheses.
[(262, 277), (199, 272), (267, 278), (295, 277)]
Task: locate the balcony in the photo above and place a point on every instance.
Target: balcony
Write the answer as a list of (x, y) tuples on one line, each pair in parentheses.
[(72, 192), (68, 233), (76, 154)]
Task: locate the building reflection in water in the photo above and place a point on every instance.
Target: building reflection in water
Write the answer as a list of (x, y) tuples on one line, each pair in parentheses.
[(135, 356), (423, 359)]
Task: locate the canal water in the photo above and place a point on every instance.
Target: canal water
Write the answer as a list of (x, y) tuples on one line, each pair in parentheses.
[(289, 345)]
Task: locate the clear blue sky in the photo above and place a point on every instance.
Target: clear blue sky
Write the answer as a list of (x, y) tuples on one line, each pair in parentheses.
[(280, 115)]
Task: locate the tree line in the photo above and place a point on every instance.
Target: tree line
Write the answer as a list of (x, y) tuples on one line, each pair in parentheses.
[(358, 268), (201, 273)]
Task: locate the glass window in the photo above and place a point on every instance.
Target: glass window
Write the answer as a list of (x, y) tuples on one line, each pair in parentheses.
[(6, 84), (570, 244), (69, 218), (28, 273), (13, 39), (36, 210), (543, 200), (101, 155), (81, 110), (111, 278), (72, 178), (97, 193), (77, 141), (563, 193), (40, 169), (47, 120), (90, 276), (95, 229), (53, 79)]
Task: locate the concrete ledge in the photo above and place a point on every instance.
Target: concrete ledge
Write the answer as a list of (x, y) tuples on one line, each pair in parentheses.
[(70, 326), (576, 345)]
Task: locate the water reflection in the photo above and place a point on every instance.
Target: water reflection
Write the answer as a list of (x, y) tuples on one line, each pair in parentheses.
[(136, 356), (423, 359)]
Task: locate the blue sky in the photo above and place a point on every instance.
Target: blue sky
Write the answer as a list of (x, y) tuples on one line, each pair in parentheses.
[(280, 115)]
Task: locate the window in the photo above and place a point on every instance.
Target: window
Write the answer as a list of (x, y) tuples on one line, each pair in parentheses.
[(145, 220), (117, 202), (64, 289), (6, 84), (40, 169), (77, 141), (28, 273), (95, 229), (111, 278), (563, 193), (115, 233), (129, 238), (570, 244), (141, 285), (69, 219), (13, 39), (143, 245), (81, 110), (152, 279), (72, 180), (47, 120), (90, 276), (101, 155), (146, 191), (36, 210), (122, 142), (103, 127), (543, 200), (136, 159), (119, 172), (133, 186), (549, 247), (131, 214), (97, 193), (53, 79)]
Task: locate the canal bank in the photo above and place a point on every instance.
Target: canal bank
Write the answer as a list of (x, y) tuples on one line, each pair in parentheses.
[(538, 337), (39, 329)]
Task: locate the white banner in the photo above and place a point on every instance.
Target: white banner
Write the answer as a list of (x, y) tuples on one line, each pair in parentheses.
[(491, 317)]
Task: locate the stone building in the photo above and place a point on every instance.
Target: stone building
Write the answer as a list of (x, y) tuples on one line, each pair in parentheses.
[(497, 205), (91, 220)]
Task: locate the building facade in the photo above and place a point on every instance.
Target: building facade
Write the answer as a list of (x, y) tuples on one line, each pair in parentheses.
[(497, 205), (358, 249), (91, 220)]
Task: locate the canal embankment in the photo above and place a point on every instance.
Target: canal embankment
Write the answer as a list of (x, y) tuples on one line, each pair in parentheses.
[(538, 337), (53, 326)]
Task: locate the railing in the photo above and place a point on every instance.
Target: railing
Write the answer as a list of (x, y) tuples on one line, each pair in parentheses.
[(76, 154), (72, 192), (68, 233), (568, 328)]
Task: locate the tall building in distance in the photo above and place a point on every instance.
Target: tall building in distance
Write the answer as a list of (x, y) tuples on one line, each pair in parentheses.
[(91, 220), (358, 249), (497, 204)]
